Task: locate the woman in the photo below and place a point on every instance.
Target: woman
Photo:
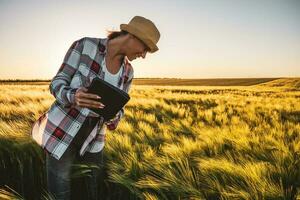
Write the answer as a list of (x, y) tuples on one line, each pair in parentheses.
[(69, 131)]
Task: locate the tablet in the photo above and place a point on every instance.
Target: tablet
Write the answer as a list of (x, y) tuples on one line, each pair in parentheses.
[(112, 97)]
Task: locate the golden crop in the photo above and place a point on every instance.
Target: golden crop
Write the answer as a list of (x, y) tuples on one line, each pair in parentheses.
[(182, 142)]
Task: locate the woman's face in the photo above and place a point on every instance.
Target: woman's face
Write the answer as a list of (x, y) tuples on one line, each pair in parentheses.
[(136, 48)]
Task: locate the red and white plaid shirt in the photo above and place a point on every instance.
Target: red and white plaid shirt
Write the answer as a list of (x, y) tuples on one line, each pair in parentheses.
[(56, 128)]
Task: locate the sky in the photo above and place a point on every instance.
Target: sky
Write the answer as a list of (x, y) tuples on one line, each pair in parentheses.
[(199, 38)]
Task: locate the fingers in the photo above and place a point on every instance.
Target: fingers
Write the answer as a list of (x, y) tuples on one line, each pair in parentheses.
[(89, 95), (85, 105), (84, 99), (95, 104)]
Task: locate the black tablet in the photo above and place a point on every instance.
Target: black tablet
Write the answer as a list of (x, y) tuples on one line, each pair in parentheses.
[(112, 97)]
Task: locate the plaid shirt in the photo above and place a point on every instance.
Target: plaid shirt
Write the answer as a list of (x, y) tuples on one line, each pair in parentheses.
[(55, 129)]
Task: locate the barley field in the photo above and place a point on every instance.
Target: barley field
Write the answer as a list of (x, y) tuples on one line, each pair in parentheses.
[(175, 142)]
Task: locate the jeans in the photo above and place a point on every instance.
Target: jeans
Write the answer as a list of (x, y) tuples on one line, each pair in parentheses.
[(59, 171)]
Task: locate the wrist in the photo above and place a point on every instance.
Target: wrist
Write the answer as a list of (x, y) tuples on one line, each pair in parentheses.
[(72, 95)]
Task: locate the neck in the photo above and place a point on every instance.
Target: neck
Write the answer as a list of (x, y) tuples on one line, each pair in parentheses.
[(114, 50)]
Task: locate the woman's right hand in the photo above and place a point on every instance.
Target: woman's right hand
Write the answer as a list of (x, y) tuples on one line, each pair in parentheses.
[(85, 99)]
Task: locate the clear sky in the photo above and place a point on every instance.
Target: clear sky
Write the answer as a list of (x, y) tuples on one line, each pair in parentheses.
[(199, 38)]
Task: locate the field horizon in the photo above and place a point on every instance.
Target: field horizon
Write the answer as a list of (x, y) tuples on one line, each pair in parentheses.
[(180, 81)]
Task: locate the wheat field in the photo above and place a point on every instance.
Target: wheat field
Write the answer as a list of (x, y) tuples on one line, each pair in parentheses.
[(174, 142)]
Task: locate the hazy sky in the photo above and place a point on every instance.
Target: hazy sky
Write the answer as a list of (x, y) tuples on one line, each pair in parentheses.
[(199, 39)]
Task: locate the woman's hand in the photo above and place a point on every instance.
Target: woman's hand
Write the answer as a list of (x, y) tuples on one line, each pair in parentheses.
[(85, 99)]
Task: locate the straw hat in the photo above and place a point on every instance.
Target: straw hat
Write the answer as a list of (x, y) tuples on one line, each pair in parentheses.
[(144, 29)]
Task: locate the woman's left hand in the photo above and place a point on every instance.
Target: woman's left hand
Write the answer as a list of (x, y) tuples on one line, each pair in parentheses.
[(113, 123)]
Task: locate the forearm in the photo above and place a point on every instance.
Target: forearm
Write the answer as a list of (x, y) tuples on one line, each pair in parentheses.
[(60, 84)]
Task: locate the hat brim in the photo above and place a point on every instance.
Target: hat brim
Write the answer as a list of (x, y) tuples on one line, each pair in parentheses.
[(153, 47)]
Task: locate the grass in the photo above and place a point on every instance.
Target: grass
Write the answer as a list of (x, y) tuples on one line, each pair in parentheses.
[(174, 142)]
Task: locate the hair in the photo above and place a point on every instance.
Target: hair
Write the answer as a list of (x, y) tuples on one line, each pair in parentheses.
[(114, 34)]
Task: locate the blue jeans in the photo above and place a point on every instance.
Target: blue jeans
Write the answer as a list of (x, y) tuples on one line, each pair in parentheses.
[(59, 172)]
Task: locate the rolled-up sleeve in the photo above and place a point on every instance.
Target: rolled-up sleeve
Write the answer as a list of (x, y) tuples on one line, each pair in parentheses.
[(60, 83)]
